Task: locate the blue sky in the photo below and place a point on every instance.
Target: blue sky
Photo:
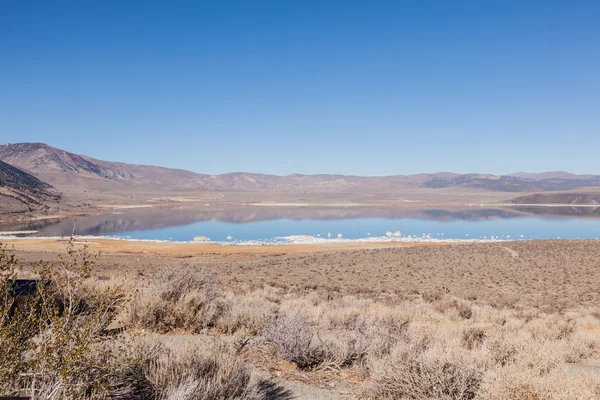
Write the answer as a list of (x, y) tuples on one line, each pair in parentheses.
[(353, 87)]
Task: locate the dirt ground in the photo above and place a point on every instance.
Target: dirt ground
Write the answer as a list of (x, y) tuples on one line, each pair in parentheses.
[(551, 274)]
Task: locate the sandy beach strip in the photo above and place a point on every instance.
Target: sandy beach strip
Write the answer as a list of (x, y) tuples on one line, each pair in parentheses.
[(108, 245)]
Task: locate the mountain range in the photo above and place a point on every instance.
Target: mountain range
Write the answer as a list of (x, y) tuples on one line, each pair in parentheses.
[(37, 177), (59, 168)]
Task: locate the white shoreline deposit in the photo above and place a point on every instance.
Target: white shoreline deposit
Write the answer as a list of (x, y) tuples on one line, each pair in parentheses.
[(283, 240)]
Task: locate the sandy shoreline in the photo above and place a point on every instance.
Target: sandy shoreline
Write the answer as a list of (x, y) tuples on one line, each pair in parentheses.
[(108, 245)]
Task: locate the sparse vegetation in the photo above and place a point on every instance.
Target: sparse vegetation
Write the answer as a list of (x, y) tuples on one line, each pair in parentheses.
[(57, 343), (182, 336), (184, 302)]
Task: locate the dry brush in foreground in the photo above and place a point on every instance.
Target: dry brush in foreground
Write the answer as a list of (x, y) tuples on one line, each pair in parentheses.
[(422, 347)]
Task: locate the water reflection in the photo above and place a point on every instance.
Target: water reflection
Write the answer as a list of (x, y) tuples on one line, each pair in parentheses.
[(161, 218)]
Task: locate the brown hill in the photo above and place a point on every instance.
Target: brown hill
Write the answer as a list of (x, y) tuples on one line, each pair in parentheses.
[(21, 192), (537, 176), (61, 167), (68, 171), (575, 197)]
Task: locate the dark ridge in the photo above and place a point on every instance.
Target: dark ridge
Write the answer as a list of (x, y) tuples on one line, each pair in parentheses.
[(16, 179)]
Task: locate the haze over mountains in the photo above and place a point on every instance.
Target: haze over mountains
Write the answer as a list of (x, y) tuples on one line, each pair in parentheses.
[(60, 168)]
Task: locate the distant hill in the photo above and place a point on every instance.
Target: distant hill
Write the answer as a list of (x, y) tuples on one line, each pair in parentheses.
[(22, 192), (511, 183), (61, 168), (591, 197), (550, 175)]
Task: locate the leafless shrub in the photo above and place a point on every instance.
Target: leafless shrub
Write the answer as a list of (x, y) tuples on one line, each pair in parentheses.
[(503, 351), (290, 334), (247, 312), (409, 373), (551, 327), (447, 302), (539, 356), (188, 302), (473, 337), (211, 373), (515, 383)]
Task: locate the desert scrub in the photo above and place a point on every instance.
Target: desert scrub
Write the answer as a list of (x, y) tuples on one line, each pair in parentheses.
[(16, 330), (54, 344), (290, 334), (210, 371), (190, 303), (246, 313), (394, 349), (437, 371), (514, 383)]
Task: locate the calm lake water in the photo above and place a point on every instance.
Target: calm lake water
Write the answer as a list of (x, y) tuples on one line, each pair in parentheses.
[(295, 224)]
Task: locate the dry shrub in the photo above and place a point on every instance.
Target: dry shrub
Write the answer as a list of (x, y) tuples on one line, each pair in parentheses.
[(368, 330), (552, 327), (448, 349), (464, 310), (210, 372), (473, 337), (16, 329), (514, 383), (62, 350), (449, 304), (290, 334), (437, 372), (247, 313), (292, 337), (541, 356), (503, 350), (344, 350), (188, 302)]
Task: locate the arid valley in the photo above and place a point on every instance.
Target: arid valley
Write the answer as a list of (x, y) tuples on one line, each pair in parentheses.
[(299, 200), (472, 307)]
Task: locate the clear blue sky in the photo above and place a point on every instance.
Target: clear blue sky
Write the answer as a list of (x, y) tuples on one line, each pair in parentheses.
[(354, 87)]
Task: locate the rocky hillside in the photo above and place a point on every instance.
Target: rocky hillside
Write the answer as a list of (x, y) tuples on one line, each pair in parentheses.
[(14, 178), (21, 192), (41, 159)]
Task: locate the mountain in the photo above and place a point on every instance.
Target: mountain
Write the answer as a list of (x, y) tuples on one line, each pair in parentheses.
[(590, 197), (511, 183), (62, 168), (67, 171), (549, 175), (22, 192)]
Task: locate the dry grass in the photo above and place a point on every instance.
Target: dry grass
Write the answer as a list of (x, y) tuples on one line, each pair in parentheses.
[(212, 371), (442, 348), (426, 346), (549, 275), (57, 343), (176, 302)]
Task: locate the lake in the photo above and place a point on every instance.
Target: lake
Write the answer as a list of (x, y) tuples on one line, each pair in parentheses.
[(271, 224)]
